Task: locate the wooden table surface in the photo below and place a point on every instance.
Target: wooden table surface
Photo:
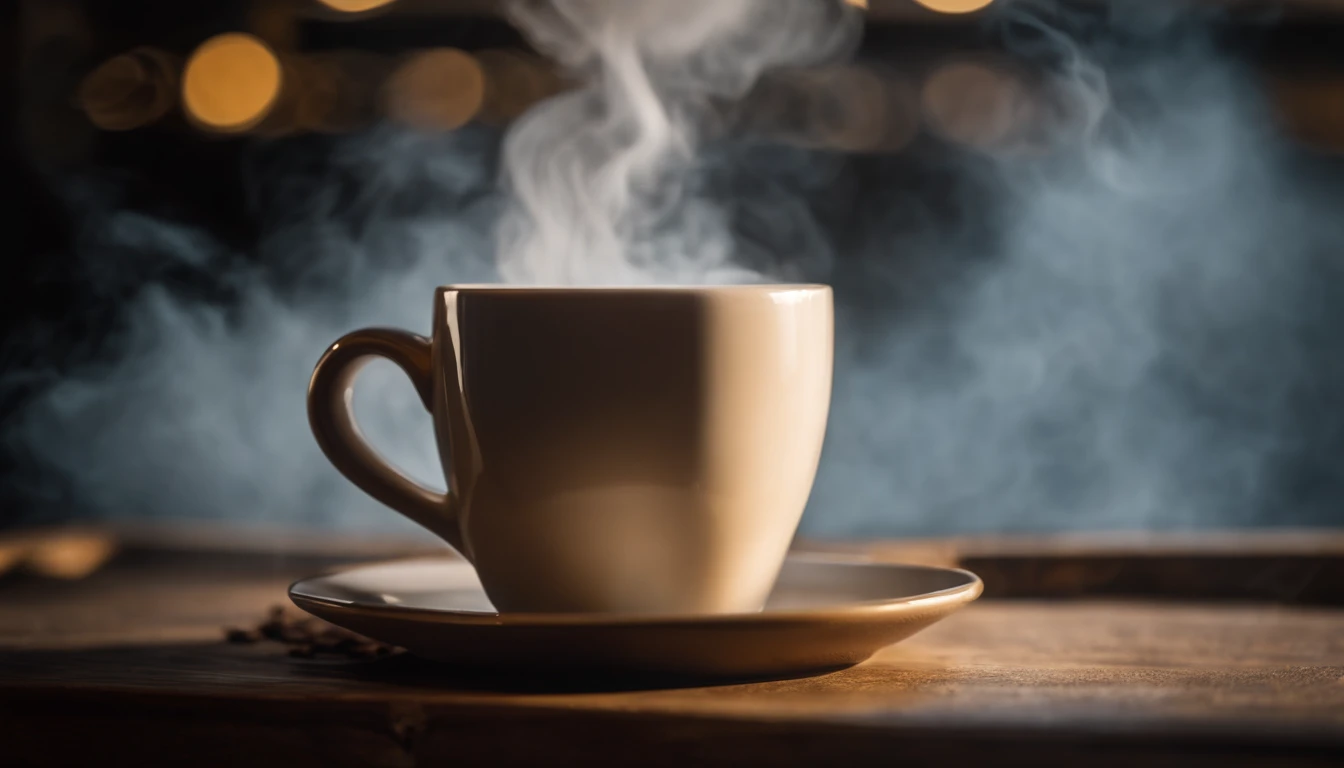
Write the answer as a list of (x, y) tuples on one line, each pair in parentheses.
[(130, 663)]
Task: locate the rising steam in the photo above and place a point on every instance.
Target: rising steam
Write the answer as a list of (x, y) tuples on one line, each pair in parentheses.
[(1126, 352), (1115, 332), (203, 414), (603, 179)]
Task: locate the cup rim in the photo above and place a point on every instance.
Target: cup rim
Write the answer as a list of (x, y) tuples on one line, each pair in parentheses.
[(580, 289)]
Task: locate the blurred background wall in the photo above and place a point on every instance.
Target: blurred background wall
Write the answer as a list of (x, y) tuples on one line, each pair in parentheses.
[(1086, 254)]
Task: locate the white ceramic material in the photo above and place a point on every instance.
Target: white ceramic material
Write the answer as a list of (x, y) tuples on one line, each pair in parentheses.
[(606, 449)]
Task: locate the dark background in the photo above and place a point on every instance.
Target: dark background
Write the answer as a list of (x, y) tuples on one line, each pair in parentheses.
[(69, 284)]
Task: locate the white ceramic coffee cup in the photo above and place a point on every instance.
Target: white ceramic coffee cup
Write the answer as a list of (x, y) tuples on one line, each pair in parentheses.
[(641, 450)]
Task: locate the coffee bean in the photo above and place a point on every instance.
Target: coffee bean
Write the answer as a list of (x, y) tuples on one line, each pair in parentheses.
[(308, 637), (239, 635)]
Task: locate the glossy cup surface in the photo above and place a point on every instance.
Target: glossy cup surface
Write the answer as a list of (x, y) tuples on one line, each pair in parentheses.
[(627, 449)]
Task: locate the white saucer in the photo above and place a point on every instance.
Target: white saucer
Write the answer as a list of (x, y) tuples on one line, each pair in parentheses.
[(827, 612)]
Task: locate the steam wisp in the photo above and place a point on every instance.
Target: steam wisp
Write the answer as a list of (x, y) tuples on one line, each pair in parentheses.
[(1122, 331)]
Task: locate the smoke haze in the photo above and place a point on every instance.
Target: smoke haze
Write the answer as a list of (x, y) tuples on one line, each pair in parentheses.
[(1126, 330), (603, 179)]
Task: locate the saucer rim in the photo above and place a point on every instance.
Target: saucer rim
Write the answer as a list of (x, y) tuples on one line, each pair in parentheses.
[(949, 598)]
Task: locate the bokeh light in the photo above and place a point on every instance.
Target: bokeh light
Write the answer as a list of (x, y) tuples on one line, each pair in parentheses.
[(436, 90), (71, 555), (860, 109), (354, 6), (978, 103), (130, 91), (231, 82), (955, 6)]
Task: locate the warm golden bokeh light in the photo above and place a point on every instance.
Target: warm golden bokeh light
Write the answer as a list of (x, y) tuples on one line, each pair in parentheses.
[(848, 109), (131, 90), (862, 109), (231, 82), (852, 108), (354, 6), (954, 6), (71, 556), (437, 90), (977, 103)]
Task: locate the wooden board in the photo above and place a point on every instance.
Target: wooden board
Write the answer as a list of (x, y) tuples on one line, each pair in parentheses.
[(1298, 567), (1285, 567), (130, 663)]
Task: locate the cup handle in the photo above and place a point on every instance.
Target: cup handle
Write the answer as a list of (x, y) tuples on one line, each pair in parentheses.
[(331, 416)]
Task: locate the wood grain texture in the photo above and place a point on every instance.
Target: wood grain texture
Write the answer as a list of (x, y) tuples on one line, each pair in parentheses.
[(131, 663)]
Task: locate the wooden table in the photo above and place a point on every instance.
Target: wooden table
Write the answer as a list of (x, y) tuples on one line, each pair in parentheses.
[(129, 663)]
